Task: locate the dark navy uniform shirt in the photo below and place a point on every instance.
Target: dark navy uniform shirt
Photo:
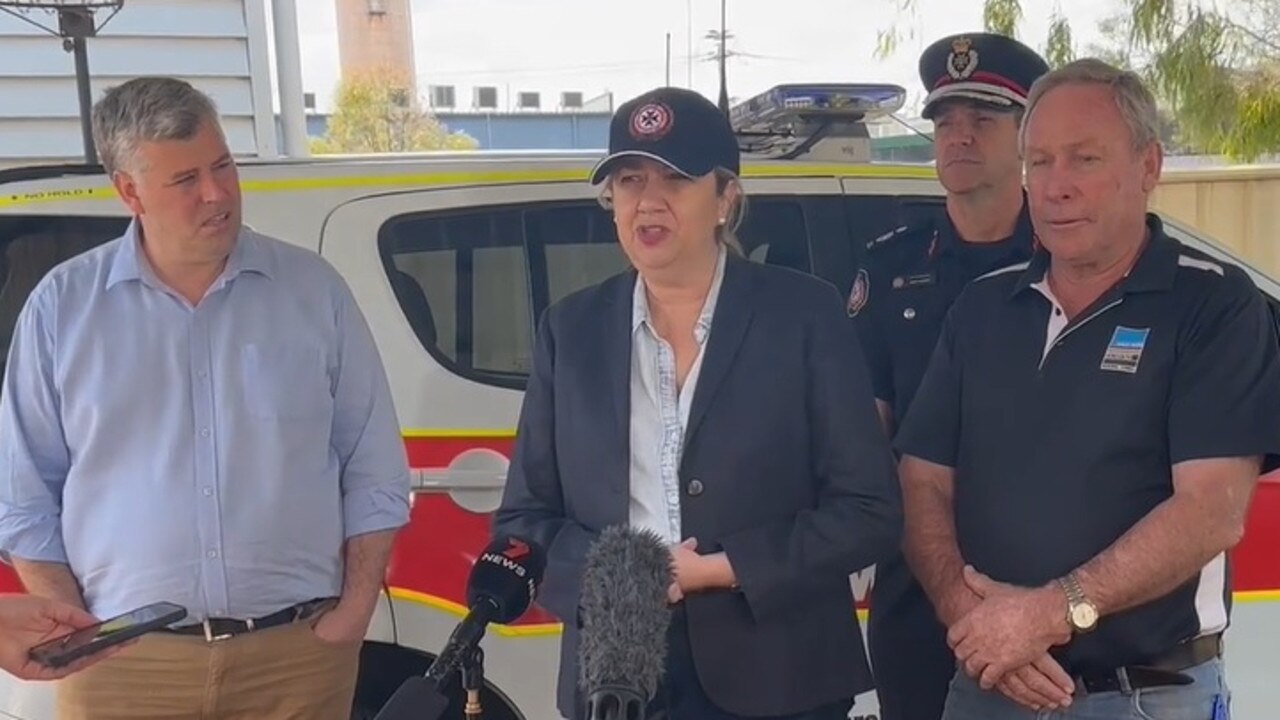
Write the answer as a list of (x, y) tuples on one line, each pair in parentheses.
[(908, 281), (1063, 434)]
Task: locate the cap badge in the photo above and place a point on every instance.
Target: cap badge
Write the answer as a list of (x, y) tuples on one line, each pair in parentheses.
[(651, 121), (963, 60)]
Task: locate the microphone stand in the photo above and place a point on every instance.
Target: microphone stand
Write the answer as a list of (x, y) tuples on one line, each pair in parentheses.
[(472, 681)]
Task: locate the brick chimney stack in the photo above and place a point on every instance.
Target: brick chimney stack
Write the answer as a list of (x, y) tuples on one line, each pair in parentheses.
[(376, 36)]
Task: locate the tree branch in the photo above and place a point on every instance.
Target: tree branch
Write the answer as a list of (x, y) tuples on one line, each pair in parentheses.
[(1271, 45)]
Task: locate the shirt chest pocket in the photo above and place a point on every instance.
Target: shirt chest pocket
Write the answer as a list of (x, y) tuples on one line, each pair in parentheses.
[(284, 381)]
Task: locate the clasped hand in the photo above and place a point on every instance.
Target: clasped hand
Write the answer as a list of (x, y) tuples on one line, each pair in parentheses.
[(697, 573), (1003, 642)]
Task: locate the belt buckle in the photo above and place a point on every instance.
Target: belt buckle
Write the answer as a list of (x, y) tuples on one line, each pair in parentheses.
[(209, 637)]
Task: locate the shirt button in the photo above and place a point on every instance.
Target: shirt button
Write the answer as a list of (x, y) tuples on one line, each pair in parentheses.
[(909, 313), (202, 374), (212, 553), (1057, 311), (695, 488), (204, 432), (208, 492)]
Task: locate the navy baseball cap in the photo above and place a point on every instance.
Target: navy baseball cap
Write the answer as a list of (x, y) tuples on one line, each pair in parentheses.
[(986, 68), (678, 128)]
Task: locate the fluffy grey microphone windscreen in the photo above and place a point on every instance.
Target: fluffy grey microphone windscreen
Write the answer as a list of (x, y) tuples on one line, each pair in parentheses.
[(624, 611)]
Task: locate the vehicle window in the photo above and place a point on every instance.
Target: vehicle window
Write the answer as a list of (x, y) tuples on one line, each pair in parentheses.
[(775, 232), (30, 246), (572, 246), (462, 281), (472, 283)]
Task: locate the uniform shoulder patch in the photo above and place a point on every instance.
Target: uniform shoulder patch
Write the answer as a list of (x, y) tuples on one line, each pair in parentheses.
[(859, 293), (887, 237)]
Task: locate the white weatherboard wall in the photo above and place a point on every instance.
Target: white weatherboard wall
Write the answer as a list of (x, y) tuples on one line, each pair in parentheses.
[(220, 46)]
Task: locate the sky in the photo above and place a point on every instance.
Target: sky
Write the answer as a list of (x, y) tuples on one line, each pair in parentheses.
[(597, 46)]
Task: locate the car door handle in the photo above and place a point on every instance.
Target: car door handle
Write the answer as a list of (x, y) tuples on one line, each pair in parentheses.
[(474, 479), (443, 479)]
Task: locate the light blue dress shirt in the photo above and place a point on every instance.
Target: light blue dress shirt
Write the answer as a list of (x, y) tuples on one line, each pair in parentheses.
[(216, 456), (660, 412)]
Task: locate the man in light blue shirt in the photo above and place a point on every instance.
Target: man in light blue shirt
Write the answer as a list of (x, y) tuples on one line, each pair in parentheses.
[(197, 413)]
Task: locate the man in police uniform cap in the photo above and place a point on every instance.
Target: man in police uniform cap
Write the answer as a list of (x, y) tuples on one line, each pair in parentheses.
[(1086, 438), (977, 86)]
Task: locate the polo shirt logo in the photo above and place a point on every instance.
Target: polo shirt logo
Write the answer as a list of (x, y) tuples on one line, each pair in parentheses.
[(1125, 349)]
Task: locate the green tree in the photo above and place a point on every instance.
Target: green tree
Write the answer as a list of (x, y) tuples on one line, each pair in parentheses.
[(1215, 67), (379, 113)]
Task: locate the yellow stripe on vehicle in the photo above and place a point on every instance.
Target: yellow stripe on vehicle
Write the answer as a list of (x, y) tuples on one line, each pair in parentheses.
[(453, 608), (491, 177), (1257, 596), (551, 629), (577, 175), (457, 434), (473, 177), (884, 172)]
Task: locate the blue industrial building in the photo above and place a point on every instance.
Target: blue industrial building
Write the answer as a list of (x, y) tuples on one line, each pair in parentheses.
[(517, 131), (590, 131)]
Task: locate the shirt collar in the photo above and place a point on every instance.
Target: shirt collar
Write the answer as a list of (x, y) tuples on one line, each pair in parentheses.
[(1023, 236), (1154, 270), (129, 262), (640, 302), (249, 254)]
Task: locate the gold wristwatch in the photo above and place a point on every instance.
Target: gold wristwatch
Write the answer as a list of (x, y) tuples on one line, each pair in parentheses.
[(1082, 614)]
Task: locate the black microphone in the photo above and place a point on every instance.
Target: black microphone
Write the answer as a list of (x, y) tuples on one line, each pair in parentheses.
[(502, 585), (623, 648)]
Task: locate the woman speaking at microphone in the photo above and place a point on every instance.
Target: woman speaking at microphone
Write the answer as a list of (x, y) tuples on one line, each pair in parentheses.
[(722, 404)]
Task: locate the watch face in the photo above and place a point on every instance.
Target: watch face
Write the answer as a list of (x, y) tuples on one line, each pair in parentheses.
[(1084, 616)]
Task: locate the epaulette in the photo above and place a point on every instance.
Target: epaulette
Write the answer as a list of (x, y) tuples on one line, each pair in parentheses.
[(887, 237)]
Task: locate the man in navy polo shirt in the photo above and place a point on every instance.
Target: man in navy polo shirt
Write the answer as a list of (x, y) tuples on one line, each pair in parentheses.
[(978, 84), (1083, 446)]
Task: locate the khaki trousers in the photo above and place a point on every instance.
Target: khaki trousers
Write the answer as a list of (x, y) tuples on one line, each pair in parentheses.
[(283, 673)]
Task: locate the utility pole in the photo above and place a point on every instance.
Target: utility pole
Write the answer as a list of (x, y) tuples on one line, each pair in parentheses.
[(721, 38), (724, 88), (668, 82), (688, 15)]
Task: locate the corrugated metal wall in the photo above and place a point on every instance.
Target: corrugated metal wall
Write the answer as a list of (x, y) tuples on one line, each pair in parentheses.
[(218, 45)]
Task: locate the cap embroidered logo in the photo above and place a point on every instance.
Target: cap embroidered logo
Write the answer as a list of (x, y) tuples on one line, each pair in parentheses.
[(651, 122)]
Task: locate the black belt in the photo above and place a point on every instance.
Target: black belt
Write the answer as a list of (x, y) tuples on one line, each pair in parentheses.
[(1162, 671), (214, 629)]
